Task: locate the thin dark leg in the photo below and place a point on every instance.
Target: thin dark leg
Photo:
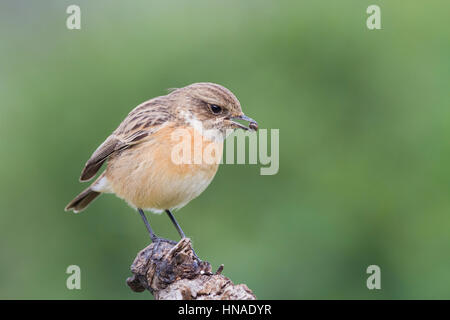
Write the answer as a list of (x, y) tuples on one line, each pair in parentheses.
[(152, 234), (175, 223)]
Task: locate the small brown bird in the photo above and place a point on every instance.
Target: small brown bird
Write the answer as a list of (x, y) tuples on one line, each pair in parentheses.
[(143, 166)]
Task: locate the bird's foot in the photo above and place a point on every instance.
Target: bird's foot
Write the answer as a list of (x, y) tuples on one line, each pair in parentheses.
[(156, 240)]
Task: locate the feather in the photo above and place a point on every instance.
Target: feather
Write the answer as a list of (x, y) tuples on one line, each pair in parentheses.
[(141, 122)]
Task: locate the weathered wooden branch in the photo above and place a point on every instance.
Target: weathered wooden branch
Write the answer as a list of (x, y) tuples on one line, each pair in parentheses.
[(172, 271)]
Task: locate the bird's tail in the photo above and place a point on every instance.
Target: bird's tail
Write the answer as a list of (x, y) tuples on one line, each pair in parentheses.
[(88, 195), (82, 200)]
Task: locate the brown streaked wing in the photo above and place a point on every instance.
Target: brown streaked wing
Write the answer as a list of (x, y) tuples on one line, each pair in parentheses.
[(99, 156), (141, 122)]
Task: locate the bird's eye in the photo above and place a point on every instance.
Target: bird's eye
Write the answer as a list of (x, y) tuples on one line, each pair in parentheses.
[(215, 109)]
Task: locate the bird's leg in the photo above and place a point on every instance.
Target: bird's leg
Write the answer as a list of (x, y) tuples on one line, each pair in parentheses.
[(175, 223), (153, 236), (177, 226)]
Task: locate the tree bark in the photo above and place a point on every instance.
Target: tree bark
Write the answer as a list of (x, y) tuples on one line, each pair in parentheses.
[(172, 271)]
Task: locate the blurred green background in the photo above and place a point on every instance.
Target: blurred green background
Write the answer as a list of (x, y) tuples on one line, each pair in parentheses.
[(364, 155)]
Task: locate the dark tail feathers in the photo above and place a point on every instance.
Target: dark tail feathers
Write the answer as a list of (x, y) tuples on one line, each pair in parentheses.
[(82, 200)]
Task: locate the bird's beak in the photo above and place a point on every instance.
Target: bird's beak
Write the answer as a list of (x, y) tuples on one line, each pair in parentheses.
[(253, 125)]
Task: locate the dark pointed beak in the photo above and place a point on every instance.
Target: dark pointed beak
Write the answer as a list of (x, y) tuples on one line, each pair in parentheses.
[(252, 124)]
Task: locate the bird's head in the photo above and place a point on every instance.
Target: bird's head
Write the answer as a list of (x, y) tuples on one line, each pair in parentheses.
[(211, 106)]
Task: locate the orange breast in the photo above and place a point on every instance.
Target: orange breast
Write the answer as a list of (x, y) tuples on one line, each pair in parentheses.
[(167, 170)]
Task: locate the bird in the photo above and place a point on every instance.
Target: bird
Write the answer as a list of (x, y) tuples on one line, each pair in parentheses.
[(143, 164)]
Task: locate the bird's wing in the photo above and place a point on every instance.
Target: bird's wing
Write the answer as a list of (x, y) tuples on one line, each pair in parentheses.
[(142, 122)]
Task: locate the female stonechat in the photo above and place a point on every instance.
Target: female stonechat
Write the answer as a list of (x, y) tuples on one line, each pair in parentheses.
[(140, 152)]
